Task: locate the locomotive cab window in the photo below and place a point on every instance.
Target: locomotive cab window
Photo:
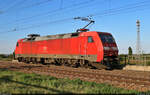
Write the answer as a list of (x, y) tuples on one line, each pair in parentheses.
[(90, 39), (107, 38)]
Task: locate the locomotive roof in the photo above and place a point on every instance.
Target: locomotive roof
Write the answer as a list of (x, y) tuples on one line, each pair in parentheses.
[(48, 37), (58, 36)]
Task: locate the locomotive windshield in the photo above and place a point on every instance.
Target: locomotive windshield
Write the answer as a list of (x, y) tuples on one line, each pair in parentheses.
[(106, 38)]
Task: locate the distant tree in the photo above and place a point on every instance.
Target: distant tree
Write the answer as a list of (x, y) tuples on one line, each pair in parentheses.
[(129, 51), (3, 56)]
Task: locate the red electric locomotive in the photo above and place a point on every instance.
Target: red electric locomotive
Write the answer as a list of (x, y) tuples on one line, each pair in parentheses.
[(74, 48), (86, 48)]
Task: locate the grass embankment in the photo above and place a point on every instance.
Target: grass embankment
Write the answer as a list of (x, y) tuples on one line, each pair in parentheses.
[(17, 82)]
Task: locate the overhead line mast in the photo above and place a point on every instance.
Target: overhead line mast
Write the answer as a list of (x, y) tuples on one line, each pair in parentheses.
[(138, 47)]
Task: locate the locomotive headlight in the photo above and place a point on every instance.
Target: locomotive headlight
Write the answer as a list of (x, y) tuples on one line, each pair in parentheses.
[(115, 48), (106, 48)]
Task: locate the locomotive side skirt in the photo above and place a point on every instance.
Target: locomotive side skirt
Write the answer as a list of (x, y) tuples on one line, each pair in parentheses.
[(92, 58)]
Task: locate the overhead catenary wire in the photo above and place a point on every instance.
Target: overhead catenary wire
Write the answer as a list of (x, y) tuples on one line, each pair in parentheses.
[(100, 13), (38, 25), (2, 4), (35, 4), (47, 23), (10, 9), (48, 12), (53, 15), (121, 12), (120, 9), (14, 5)]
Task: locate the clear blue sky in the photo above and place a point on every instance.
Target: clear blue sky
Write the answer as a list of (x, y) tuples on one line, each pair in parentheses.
[(36, 16)]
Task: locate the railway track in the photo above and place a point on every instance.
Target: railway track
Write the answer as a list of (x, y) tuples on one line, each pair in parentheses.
[(140, 84), (118, 78)]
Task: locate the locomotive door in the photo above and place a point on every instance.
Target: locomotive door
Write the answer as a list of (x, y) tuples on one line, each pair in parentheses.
[(91, 47), (83, 46)]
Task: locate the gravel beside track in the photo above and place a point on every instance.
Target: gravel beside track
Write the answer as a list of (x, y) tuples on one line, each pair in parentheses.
[(136, 80)]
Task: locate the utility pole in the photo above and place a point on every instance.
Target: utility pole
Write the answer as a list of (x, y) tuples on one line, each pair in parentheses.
[(138, 48), (138, 51)]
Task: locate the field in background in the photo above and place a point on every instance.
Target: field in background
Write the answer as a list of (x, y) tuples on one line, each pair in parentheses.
[(4, 57), (143, 60), (17, 82)]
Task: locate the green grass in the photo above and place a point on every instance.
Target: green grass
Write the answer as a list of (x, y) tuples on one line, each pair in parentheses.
[(17, 82)]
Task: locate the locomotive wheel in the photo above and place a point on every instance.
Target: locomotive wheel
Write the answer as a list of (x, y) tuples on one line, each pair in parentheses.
[(26, 60), (34, 61), (19, 59)]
